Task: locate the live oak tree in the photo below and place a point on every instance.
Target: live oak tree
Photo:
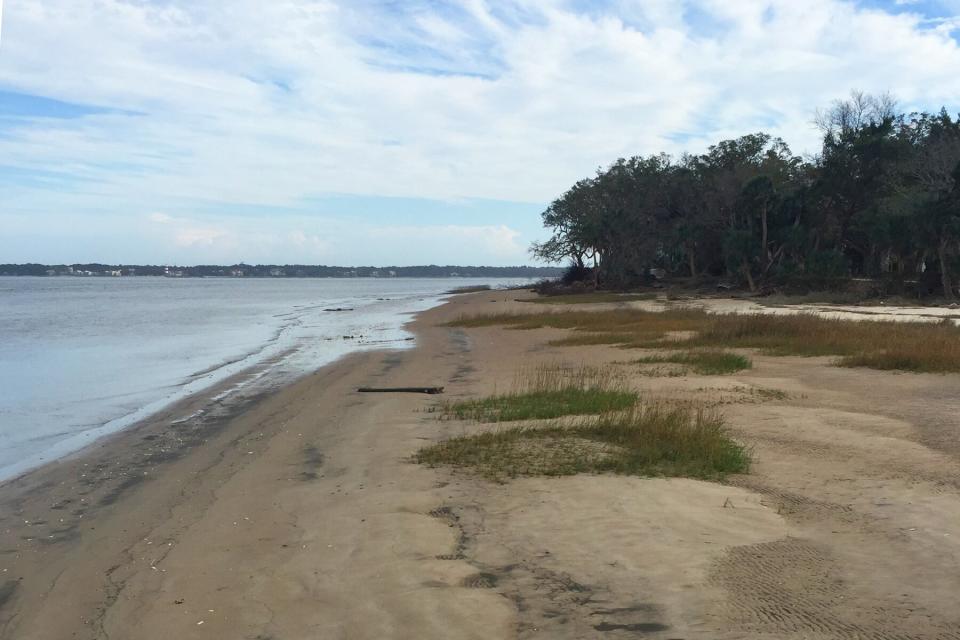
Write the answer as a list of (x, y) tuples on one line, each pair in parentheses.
[(880, 200)]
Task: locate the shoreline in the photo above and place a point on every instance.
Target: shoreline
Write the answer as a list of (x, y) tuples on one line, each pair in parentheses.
[(284, 344), (193, 403), (301, 515), (196, 406), (46, 512), (64, 497)]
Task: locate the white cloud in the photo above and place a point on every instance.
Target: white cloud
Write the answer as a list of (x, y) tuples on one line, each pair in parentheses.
[(188, 233), (160, 218), (329, 240), (200, 236), (312, 242), (270, 103), (496, 241)]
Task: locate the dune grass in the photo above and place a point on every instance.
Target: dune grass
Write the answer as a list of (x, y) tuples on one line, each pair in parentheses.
[(541, 405), (708, 362), (548, 391), (627, 321), (649, 440), (624, 327), (581, 339), (597, 297), (904, 346)]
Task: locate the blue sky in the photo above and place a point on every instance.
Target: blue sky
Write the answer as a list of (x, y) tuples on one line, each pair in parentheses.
[(401, 132)]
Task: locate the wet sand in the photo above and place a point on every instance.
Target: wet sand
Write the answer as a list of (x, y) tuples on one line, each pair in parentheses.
[(299, 515)]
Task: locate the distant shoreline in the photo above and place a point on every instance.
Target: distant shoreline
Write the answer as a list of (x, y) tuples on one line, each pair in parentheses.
[(273, 271)]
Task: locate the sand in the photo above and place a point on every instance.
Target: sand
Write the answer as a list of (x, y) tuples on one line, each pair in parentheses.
[(301, 516)]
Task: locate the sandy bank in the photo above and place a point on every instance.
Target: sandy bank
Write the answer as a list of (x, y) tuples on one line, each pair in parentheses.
[(301, 517)]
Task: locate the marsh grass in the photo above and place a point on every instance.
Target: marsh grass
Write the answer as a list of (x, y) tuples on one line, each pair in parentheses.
[(625, 327), (652, 440), (905, 346), (708, 362), (592, 298), (580, 339), (548, 391), (559, 377), (541, 405)]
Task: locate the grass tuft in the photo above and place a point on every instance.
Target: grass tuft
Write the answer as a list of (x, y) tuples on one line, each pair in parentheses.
[(548, 392), (644, 441), (541, 405), (709, 362)]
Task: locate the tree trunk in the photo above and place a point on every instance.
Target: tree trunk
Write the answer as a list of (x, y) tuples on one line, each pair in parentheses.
[(773, 258), (763, 221), (748, 275), (692, 258), (944, 270)]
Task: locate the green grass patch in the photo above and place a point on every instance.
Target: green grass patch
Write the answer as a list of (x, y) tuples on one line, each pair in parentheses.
[(899, 360), (548, 391), (541, 405), (905, 346), (644, 441), (707, 362)]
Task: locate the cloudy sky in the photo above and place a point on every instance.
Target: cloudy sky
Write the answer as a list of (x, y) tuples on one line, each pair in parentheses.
[(400, 131)]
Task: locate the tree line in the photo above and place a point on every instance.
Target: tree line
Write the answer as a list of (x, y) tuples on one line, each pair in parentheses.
[(880, 200), (277, 271)]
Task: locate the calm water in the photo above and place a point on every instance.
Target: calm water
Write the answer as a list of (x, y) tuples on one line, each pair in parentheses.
[(83, 357)]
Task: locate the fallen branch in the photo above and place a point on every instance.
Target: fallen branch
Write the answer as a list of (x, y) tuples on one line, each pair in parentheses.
[(400, 389)]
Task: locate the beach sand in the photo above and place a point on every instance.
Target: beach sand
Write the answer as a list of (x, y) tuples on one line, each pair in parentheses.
[(299, 515)]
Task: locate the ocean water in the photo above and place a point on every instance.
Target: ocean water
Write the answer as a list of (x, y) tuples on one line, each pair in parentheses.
[(84, 357)]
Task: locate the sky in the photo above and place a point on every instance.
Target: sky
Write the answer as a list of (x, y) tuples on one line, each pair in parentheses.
[(401, 131)]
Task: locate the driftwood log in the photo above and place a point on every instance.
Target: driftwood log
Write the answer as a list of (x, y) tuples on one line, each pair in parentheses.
[(400, 389)]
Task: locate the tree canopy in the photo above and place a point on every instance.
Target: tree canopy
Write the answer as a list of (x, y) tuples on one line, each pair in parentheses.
[(880, 200)]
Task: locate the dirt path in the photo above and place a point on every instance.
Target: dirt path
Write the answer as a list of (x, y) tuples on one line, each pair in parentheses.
[(303, 518)]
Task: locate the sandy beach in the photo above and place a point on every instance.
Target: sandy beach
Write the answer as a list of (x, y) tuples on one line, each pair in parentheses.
[(300, 515)]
